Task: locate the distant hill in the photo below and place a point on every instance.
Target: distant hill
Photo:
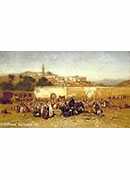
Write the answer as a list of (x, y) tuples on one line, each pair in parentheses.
[(124, 83), (108, 82)]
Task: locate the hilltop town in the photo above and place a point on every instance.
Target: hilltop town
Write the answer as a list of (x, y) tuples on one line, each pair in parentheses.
[(55, 79)]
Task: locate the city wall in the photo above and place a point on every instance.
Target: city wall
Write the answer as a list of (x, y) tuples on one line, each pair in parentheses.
[(96, 92), (45, 92)]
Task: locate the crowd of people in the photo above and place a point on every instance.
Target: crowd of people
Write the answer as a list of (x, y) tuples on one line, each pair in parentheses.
[(68, 107), (46, 108)]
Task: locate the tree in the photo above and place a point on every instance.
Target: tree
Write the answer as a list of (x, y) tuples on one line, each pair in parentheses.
[(7, 86), (27, 84), (11, 77), (20, 77), (49, 73), (44, 82)]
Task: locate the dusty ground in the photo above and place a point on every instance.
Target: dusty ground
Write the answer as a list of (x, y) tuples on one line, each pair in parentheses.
[(112, 119)]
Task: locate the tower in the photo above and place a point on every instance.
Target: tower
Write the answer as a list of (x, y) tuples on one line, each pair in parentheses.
[(43, 70)]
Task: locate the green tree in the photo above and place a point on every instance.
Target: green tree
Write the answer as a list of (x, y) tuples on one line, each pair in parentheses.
[(11, 77), (44, 82), (26, 84), (6, 86)]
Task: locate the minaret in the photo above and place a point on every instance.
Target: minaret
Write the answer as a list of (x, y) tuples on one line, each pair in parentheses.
[(43, 70)]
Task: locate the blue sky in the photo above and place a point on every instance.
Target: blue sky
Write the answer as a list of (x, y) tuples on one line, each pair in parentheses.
[(94, 65)]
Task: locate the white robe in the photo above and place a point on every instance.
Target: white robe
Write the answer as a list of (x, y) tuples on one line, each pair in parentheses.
[(51, 112)]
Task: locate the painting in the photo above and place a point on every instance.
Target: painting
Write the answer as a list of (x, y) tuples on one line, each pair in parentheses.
[(64, 89)]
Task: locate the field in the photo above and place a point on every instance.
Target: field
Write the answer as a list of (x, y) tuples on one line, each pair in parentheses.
[(119, 118)]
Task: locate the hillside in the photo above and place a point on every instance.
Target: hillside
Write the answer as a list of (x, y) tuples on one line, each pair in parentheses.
[(109, 82), (124, 83)]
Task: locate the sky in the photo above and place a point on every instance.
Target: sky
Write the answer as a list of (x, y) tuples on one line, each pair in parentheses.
[(93, 65)]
